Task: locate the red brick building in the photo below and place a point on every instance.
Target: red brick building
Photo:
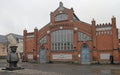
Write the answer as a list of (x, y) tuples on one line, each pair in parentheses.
[(68, 39)]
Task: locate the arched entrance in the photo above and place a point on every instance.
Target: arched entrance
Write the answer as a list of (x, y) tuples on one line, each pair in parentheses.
[(85, 54), (42, 55)]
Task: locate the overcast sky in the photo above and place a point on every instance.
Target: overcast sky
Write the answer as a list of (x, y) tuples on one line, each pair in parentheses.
[(16, 15)]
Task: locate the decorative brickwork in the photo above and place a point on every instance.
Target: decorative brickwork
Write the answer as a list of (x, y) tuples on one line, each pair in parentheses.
[(64, 38)]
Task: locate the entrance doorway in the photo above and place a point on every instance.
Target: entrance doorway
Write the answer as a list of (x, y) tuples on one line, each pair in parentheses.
[(42, 56), (85, 54)]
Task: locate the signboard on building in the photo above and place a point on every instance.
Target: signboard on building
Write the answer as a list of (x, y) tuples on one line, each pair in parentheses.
[(104, 56), (62, 56), (30, 56)]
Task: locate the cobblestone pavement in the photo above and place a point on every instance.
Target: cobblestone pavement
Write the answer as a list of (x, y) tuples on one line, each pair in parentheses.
[(60, 69)]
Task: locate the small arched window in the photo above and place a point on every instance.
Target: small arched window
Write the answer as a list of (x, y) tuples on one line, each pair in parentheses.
[(83, 37), (43, 40), (61, 17)]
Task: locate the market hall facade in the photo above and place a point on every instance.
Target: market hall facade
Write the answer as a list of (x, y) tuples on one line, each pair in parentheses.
[(68, 39)]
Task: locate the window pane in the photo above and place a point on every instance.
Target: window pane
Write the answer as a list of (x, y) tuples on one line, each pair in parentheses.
[(63, 40), (83, 37), (61, 17)]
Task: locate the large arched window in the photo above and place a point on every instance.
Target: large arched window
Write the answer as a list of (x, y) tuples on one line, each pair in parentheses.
[(62, 40), (61, 17)]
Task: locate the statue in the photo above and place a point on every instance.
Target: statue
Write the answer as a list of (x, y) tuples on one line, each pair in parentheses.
[(12, 59)]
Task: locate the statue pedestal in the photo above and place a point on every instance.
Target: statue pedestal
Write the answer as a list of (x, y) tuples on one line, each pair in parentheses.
[(12, 69)]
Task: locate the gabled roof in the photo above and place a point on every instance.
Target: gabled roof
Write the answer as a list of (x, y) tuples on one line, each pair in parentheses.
[(61, 7), (3, 39), (16, 36), (75, 17), (85, 23)]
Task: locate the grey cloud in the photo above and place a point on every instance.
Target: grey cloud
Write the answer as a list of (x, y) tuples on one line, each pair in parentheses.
[(16, 15)]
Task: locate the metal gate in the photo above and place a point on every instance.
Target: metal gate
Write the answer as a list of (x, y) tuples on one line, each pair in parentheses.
[(42, 55), (85, 54)]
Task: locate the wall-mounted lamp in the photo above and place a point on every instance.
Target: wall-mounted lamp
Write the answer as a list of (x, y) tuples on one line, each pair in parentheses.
[(48, 32), (75, 28), (61, 27)]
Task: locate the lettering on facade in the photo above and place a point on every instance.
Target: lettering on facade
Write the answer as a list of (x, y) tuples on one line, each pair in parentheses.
[(62, 56), (102, 29), (30, 56), (104, 56)]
